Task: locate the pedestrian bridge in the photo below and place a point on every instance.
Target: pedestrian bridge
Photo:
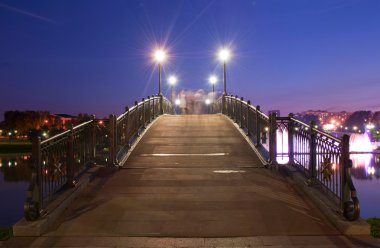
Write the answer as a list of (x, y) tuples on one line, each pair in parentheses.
[(151, 173)]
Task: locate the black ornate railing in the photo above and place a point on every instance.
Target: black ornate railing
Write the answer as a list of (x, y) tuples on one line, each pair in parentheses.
[(59, 161), (322, 158), (125, 128)]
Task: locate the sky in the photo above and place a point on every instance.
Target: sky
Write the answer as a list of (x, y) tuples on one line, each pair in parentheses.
[(96, 56)]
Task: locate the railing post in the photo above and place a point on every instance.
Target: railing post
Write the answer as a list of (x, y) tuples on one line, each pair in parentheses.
[(34, 200), (154, 109), (143, 113), (137, 119), (258, 127), (313, 151), (247, 118), (291, 139), (161, 105), (149, 110), (223, 102), (112, 139), (93, 139), (272, 139), (70, 170), (349, 200), (241, 112), (235, 109)]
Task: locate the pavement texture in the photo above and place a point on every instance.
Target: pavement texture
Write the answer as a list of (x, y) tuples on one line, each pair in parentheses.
[(191, 181)]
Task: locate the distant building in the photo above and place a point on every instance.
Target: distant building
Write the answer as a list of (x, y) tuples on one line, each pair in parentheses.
[(277, 112), (64, 118)]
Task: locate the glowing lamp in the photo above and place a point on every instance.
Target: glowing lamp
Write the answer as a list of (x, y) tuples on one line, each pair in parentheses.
[(213, 79), (224, 55), (172, 80), (159, 55)]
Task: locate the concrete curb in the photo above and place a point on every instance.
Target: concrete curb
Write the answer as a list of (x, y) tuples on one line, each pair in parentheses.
[(54, 211), (297, 180)]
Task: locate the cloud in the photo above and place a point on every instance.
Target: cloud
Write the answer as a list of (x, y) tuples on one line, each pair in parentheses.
[(27, 13)]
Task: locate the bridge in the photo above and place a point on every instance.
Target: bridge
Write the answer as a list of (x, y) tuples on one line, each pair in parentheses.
[(151, 178)]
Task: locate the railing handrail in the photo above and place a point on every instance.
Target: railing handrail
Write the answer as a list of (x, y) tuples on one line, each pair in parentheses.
[(66, 132), (249, 105), (135, 106), (316, 129)]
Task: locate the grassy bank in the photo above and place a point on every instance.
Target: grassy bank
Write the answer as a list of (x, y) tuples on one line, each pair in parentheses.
[(7, 147), (6, 233), (375, 226)]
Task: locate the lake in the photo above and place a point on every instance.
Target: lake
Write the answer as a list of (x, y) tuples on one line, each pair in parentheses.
[(15, 175)]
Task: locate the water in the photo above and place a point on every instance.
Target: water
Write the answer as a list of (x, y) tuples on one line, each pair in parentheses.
[(14, 180), (366, 177)]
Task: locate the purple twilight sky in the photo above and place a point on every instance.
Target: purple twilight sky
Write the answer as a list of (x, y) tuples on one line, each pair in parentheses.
[(96, 56)]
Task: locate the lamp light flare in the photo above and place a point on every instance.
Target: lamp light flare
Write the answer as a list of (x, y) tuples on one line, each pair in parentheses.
[(172, 80), (160, 55), (224, 55), (207, 101), (177, 102), (213, 79)]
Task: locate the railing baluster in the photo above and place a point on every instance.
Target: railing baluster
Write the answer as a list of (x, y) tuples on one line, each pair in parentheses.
[(313, 150), (112, 137), (290, 139), (258, 126), (248, 123), (272, 139), (70, 160)]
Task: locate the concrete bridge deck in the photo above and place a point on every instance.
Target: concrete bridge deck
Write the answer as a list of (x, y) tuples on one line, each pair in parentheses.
[(191, 177)]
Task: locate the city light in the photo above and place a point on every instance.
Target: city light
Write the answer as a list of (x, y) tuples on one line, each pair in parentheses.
[(177, 102), (207, 101), (355, 128), (44, 134), (100, 122), (160, 55), (224, 55), (172, 80), (370, 126)]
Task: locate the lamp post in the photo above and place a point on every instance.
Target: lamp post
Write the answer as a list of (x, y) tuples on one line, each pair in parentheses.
[(159, 56), (172, 82), (224, 55), (213, 79)]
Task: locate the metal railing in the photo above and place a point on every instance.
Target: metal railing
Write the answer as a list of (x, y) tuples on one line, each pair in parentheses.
[(323, 158), (125, 128), (57, 163)]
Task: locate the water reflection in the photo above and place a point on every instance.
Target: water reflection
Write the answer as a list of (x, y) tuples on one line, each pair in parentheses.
[(15, 175), (365, 166), (15, 168)]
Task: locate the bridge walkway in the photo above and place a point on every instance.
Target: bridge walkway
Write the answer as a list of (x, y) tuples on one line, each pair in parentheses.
[(192, 176)]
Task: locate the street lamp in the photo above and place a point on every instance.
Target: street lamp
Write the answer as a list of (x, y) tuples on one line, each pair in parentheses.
[(159, 56), (172, 82), (224, 55), (213, 79)]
